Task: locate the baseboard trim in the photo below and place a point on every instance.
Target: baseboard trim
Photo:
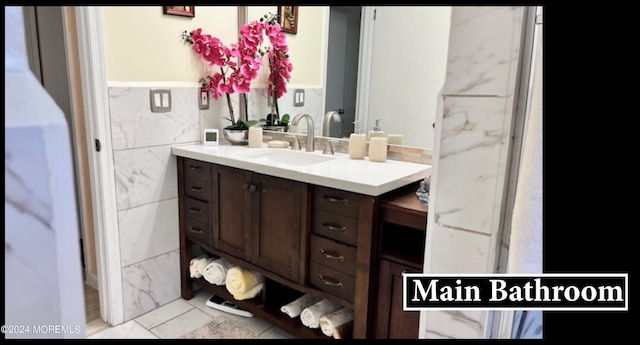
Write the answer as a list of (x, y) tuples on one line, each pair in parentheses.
[(92, 280)]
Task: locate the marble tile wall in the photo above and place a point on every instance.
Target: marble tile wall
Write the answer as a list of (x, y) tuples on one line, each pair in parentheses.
[(313, 104), (146, 180), (147, 190), (471, 156)]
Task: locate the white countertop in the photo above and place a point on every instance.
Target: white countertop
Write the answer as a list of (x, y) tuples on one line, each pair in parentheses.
[(359, 176)]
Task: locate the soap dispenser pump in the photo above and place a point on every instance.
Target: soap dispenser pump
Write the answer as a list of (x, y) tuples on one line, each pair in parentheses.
[(377, 131)]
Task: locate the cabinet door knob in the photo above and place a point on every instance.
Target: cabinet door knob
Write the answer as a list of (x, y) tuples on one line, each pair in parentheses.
[(195, 167), (197, 189), (252, 187), (332, 257), (195, 210), (336, 200), (334, 228), (331, 283)]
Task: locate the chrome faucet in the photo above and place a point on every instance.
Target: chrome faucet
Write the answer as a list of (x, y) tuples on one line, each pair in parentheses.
[(310, 136), (326, 123)]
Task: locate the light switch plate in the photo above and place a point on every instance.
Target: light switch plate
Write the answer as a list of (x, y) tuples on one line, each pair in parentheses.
[(160, 101), (298, 98), (203, 98)]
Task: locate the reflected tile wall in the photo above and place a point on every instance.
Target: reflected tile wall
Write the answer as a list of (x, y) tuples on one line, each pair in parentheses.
[(313, 104)]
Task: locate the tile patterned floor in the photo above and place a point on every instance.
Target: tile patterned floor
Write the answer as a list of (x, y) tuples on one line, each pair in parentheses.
[(189, 319)]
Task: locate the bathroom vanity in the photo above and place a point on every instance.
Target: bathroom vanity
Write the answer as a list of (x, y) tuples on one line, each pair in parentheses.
[(309, 223)]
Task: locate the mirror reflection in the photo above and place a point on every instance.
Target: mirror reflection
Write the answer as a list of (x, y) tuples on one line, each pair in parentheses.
[(361, 69)]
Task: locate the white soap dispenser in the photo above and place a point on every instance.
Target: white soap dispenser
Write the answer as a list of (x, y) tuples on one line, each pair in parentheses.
[(377, 131)]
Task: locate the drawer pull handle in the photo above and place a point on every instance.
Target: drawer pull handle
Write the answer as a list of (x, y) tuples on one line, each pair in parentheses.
[(334, 228), (332, 257), (195, 167), (197, 189), (195, 210), (196, 230), (324, 280), (336, 200)]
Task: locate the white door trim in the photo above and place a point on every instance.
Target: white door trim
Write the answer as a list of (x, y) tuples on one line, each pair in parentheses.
[(367, 30), (101, 166), (364, 66)]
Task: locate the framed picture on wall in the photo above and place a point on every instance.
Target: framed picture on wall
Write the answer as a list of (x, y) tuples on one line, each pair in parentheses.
[(183, 11), (288, 18)]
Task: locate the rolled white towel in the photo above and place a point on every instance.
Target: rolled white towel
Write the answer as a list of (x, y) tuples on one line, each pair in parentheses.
[(295, 307), (197, 265), (216, 271), (332, 320), (243, 283), (310, 316)]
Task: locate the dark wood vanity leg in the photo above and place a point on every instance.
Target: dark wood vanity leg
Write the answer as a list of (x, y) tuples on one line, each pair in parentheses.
[(186, 287), (367, 216)]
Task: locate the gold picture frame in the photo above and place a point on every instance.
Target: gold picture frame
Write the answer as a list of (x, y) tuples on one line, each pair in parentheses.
[(288, 19), (183, 11)]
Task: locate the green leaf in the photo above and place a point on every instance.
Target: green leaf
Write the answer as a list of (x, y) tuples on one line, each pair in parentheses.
[(249, 123)]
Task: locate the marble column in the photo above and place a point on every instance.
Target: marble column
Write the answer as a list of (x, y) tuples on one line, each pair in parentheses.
[(43, 276), (471, 156)]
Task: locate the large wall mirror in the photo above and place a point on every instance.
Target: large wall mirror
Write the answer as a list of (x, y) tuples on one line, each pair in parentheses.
[(365, 63)]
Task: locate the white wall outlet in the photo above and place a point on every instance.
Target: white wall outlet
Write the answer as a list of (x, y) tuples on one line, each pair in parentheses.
[(160, 101), (298, 98), (203, 99)]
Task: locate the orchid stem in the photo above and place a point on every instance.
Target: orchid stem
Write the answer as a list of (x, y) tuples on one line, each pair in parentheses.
[(224, 80)]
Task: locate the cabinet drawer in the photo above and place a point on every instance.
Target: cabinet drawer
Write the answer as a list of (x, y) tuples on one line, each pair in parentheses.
[(198, 189), (197, 169), (197, 232), (332, 281), (335, 201), (196, 210), (335, 226), (333, 255)]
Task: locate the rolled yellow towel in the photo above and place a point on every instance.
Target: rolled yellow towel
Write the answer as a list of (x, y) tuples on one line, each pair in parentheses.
[(310, 316), (329, 322), (295, 307), (243, 283), (216, 271), (197, 265)]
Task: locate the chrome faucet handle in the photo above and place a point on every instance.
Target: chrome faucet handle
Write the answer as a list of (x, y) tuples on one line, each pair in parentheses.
[(295, 143), (328, 149)]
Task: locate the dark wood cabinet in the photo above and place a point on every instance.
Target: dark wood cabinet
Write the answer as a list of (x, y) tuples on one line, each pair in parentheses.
[(277, 224), (403, 222), (232, 211), (392, 322), (258, 218), (303, 238)]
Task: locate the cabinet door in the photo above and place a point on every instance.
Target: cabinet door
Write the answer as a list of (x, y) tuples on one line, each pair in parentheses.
[(231, 206), (391, 321), (277, 226)]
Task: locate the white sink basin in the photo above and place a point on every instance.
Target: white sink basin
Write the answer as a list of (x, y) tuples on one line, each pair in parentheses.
[(288, 157)]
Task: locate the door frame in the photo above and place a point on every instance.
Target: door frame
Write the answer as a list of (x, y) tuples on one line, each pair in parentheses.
[(95, 97), (367, 17)]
